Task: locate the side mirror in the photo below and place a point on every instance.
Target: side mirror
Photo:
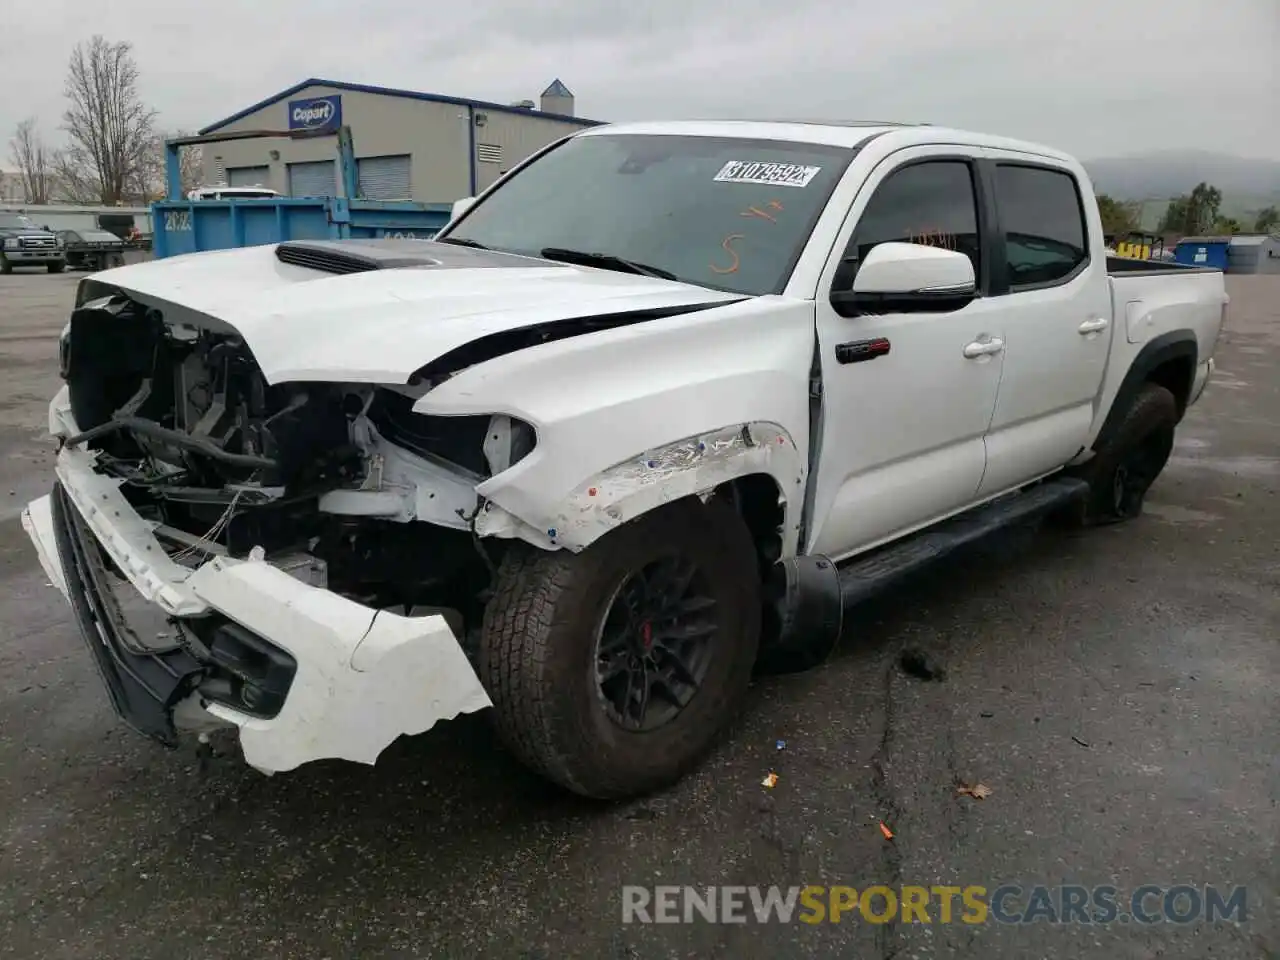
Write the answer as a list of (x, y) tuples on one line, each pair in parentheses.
[(908, 278), (461, 206)]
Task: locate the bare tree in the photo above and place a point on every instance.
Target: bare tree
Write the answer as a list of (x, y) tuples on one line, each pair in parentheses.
[(147, 182), (75, 183), (190, 166), (110, 128), (34, 162), (153, 180)]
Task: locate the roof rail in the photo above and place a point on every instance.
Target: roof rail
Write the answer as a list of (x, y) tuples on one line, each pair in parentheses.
[(850, 123)]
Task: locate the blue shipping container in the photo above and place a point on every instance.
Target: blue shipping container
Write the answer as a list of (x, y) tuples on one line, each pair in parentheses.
[(1203, 252), (193, 226)]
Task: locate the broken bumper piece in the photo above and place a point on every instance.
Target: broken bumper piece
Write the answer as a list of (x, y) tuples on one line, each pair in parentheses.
[(303, 673)]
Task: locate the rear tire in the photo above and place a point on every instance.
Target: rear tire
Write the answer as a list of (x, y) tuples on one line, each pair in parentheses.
[(1124, 468), (568, 638)]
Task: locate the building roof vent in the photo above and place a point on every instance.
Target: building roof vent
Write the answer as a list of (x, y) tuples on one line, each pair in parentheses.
[(557, 98), (523, 104)]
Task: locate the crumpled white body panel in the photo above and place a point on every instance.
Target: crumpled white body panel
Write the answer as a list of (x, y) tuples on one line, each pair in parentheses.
[(364, 676), (382, 325)]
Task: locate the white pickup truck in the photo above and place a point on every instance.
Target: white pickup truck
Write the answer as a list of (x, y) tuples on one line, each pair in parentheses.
[(646, 416)]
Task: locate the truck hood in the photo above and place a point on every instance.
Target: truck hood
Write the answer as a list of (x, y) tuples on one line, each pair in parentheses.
[(406, 304)]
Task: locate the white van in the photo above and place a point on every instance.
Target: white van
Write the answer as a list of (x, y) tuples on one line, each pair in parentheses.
[(231, 193)]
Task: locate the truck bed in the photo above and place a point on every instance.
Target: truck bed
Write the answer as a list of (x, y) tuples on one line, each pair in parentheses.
[(1151, 301), (1129, 265), (1147, 303)]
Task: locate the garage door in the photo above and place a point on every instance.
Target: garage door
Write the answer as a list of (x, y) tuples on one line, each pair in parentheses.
[(384, 178), (315, 178), (248, 176)]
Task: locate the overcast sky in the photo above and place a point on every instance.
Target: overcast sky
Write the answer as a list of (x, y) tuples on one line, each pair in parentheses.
[(1096, 77)]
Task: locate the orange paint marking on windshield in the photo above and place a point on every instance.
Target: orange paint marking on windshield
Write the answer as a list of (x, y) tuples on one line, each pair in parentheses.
[(757, 212), (727, 244)]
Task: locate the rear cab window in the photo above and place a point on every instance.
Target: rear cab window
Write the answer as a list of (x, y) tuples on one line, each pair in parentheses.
[(1043, 225)]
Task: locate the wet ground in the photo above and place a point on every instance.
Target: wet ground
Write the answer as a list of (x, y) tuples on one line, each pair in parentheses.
[(1117, 691)]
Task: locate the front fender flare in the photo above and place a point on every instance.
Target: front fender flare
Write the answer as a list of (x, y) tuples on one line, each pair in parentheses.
[(692, 466)]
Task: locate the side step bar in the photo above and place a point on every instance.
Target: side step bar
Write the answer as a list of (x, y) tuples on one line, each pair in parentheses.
[(864, 576), (808, 597)]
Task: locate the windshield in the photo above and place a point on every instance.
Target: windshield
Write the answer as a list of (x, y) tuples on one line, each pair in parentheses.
[(722, 212), (17, 221)]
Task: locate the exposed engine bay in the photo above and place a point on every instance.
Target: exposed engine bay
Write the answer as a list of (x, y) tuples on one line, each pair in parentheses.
[(284, 496), (319, 479)]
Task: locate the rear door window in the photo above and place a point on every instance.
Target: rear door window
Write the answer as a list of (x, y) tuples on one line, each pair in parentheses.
[(1042, 218)]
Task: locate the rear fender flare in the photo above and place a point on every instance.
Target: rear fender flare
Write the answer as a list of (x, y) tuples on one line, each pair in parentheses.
[(1173, 345), (692, 466)]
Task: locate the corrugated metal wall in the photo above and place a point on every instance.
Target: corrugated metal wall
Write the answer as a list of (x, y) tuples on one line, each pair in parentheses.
[(1259, 257), (385, 178), (248, 176), (313, 178), (1270, 256), (435, 137), (504, 139)]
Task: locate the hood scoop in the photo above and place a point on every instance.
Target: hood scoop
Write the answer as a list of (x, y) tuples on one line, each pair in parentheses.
[(362, 256), (333, 258)]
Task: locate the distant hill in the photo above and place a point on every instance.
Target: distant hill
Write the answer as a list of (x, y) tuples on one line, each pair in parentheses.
[(1247, 184)]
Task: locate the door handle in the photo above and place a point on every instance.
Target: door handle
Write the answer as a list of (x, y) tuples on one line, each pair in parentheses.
[(983, 348), (1093, 326), (858, 351)]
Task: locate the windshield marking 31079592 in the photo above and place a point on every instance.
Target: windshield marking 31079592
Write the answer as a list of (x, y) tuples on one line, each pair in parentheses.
[(768, 174)]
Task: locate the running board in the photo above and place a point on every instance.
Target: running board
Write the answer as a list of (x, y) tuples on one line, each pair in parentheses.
[(865, 576), (808, 597)]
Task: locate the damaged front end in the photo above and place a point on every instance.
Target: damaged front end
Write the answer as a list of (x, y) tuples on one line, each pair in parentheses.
[(265, 530)]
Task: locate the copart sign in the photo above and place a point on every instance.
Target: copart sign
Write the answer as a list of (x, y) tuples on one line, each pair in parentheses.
[(315, 113)]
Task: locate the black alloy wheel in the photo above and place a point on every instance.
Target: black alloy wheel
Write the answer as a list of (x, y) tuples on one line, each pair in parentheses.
[(654, 644)]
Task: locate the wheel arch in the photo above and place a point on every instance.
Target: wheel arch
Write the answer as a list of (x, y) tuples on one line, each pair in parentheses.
[(756, 466), (1168, 360)]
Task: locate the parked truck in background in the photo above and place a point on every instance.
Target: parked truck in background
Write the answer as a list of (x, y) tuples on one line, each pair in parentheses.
[(24, 244), (91, 249), (650, 413)]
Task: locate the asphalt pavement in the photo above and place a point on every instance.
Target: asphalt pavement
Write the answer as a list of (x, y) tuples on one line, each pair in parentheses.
[(1116, 691)]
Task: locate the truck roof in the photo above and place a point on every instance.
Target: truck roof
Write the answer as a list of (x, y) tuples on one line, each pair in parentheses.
[(836, 133)]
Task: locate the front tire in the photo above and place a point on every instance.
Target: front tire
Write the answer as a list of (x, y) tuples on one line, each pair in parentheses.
[(5, 265), (1124, 468), (612, 671), (57, 267)]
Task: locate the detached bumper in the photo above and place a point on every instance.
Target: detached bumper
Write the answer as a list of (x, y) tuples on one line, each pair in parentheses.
[(361, 677)]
